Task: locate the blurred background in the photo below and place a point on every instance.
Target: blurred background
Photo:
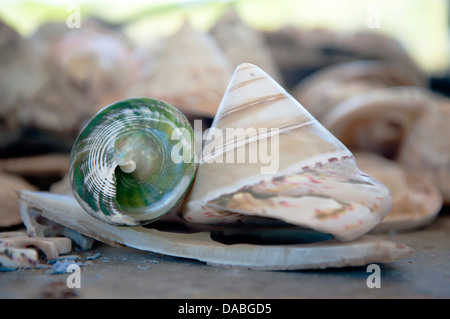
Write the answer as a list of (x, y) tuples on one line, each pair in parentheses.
[(420, 25), (61, 61)]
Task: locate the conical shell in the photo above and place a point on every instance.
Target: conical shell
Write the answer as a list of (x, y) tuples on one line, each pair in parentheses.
[(188, 71), (242, 43), (266, 156)]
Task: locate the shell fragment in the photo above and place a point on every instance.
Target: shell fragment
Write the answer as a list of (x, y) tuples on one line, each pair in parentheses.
[(65, 210)]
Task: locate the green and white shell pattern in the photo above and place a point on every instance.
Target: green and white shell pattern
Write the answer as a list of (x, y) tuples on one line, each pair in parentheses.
[(133, 162)]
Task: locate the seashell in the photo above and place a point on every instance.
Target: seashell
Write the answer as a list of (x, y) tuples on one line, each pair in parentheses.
[(13, 234), (9, 207), (22, 77), (38, 226), (54, 164), (62, 186), (13, 258), (408, 124), (426, 148), (200, 245), (97, 61), (310, 178), (202, 73), (22, 74), (300, 51), (84, 69), (52, 247), (329, 86), (123, 165), (378, 121), (242, 43), (416, 200)]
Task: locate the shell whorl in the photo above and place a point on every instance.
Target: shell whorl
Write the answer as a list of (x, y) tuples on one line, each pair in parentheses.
[(121, 165)]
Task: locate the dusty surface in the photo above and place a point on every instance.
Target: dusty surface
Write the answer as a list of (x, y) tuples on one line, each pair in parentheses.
[(130, 273)]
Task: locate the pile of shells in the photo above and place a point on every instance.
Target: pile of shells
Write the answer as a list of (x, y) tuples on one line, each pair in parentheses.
[(361, 139)]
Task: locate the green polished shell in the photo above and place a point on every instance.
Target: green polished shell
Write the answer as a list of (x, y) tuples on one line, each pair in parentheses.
[(133, 161)]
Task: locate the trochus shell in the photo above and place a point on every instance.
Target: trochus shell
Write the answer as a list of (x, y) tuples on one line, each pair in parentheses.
[(133, 161), (310, 178)]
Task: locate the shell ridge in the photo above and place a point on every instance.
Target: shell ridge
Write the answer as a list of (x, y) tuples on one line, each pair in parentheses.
[(137, 128)]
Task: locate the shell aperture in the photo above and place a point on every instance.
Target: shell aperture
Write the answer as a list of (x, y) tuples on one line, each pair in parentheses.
[(317, 183), (133, 161)]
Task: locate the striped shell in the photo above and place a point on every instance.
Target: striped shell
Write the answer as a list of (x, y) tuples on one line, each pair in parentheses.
[(133, 161), (306, 177)]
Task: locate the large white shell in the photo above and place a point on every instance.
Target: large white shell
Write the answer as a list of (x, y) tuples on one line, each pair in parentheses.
[(310, 178)]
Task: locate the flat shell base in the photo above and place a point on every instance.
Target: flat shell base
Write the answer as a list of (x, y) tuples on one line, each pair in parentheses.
[(329, 253)]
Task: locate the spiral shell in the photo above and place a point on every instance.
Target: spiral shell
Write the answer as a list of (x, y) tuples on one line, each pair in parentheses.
[(378, 121), (326, 88), (133, 161)]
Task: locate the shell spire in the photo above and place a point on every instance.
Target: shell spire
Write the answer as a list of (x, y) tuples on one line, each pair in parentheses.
[(266, 156)]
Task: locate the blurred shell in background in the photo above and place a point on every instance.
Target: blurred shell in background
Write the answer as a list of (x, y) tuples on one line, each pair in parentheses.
[(87, 67), (407, 124), (22, 76), (187, 70), (379, 120), (416, 200), (56, 79), (9, 205), (333, 84), (242, 43), (51, 164), (427, 148), (300, 52)]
